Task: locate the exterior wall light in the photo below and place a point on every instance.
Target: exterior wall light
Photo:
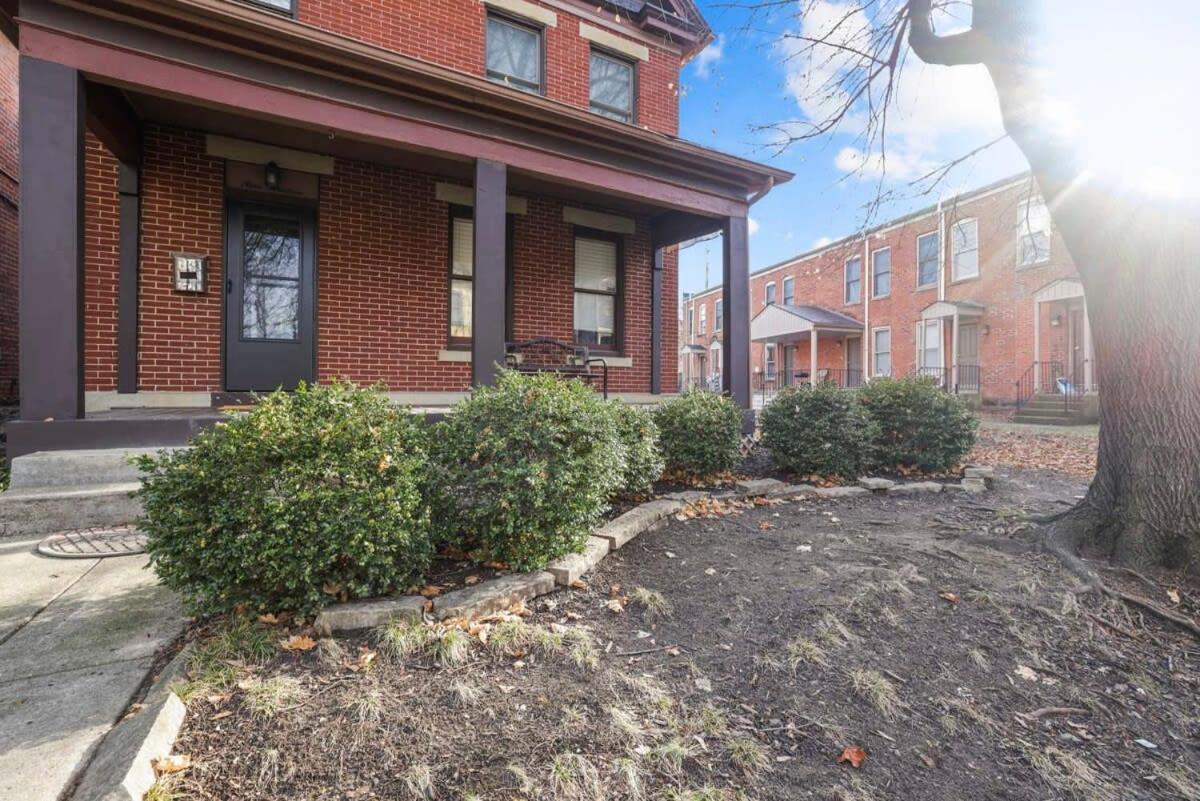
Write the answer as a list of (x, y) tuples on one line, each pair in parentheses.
[(271, 175)]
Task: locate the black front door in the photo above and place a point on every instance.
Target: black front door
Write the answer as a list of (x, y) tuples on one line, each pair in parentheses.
[(269, 298)]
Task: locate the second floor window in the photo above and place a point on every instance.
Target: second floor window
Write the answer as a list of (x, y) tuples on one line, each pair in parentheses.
[(928, 256), (1033, 233), (718, 315), (611, 87), (514, 54), (854, 280), (769, 294), (881, 273), (703, 320), (280, 5), (597, 267), (965, 238), (789, 291)]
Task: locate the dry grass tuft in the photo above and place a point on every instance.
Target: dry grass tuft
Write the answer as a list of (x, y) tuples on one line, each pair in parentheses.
[(748, 754), (656, 605), (979, 659), (449, 646), (266, 698), (712, 721), (630, 774), (403, 640), (670, 755), (418, 783), (872, 686), (574, 778), (833, 632), (803, 651), (1065, 772), (464, 693), (366, 705)]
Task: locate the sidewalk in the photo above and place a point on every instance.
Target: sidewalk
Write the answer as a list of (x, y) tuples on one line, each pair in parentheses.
[(77, 639)]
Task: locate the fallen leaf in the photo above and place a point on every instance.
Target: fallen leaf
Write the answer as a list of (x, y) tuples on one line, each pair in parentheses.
[(855, 755), (471, 581), (929, 761), (1026, 673), (365, 659), (578, 584), (175, 763), (298, 642), (430, 591), (765, 525), (222, 715), (949, 596), (269, 619), (614, 590), (615, 606), (703, 685), (1174, 596)]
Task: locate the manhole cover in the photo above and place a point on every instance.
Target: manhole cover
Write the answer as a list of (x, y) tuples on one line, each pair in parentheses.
[(94, 543)]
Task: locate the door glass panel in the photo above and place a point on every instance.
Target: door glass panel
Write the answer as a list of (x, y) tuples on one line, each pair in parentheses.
[(271, 279)]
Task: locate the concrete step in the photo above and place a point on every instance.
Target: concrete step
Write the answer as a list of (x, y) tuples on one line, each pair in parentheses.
[(36, 511), (77, 468)]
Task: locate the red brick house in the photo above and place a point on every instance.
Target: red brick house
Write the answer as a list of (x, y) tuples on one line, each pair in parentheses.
[(224, 196), (978, 291)]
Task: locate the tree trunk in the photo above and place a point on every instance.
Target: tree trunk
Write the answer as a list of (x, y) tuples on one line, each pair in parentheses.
[(1139, 261)]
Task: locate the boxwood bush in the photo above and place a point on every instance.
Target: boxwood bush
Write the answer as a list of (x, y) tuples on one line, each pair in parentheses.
[(309, 497), (819, 430), (522, 470), (920, 425), (643, 462), (700, 433)]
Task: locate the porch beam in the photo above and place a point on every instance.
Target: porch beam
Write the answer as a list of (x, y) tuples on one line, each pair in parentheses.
[(114, 123), (53, 113), (489, 312), (129, 187), (656, 321), (735, 275), (675, 227)]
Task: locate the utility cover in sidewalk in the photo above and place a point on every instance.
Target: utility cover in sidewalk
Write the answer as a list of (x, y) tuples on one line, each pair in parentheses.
[(94, 543)]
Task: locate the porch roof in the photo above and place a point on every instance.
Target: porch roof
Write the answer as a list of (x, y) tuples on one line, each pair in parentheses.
[(948, 308), (782, 323)]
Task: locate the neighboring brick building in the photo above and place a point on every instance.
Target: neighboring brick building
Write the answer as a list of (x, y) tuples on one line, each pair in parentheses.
[(950, 291), (384, 191)]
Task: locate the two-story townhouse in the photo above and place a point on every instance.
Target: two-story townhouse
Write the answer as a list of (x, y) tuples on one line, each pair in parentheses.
[(700, 341), (228, 196)]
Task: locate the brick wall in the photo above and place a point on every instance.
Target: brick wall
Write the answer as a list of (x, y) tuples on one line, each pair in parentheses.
[(1005, 351), (382, 308), (451, 33), (10, 173)]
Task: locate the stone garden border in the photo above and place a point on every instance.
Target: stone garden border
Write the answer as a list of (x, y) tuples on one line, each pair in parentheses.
[(505, 591)]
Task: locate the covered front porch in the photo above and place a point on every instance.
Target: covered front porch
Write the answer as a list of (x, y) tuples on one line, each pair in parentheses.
[(799, 345), (956, 366), (272, 224)]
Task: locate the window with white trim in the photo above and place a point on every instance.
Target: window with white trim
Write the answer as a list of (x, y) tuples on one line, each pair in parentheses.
[(597, 272), (881, 351), (881, 273), (769, 359), (789, 291), (514, 53), (703, 320), (1033, 232), (929, 259), (853, 292), (611, 87), (929, 347), (718, 315), (964, 241), (769, 293)]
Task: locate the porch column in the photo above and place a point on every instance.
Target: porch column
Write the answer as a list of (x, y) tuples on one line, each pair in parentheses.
[(51, 260), (1037, 345), (812, 358), (129, 180), (488, 307), (1089, 358), (656, 292), (954, 354), (735, 295)]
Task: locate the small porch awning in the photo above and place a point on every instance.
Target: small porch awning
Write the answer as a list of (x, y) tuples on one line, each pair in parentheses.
[(1062, 289), (948, 308), (692, 349), (782, 323)]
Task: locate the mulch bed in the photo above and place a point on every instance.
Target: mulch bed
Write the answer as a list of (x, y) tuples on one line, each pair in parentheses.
[(924, 631)]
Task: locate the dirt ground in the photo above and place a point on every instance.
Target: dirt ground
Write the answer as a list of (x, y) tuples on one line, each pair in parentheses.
[(738, 657)]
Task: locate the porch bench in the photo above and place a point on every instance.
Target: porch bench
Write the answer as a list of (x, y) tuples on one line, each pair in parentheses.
[(560, 358)]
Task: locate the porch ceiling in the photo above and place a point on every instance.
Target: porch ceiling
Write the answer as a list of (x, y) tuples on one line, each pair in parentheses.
[(948, 308)]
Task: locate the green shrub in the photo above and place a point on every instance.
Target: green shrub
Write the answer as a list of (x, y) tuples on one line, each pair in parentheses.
[(523, 470), (819, 430), (643, 463), (920, 425), (700, 433), (310, 496)]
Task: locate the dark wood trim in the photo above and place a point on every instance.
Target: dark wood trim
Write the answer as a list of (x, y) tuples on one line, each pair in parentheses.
[(675, 227), (489, 325), (618, 348), (656, 321), (735, 296), (51, 306), (127, 282), (114, 122)]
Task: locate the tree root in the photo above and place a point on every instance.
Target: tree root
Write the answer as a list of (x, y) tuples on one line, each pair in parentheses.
[(1144, 603)]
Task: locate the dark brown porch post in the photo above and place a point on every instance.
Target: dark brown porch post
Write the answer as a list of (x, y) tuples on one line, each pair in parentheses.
[(488, 305), (656, 293), (127, 292), (735, 294), (51, 261)]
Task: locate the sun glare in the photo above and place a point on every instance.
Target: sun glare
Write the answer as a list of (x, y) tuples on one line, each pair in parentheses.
[(1123, 84)]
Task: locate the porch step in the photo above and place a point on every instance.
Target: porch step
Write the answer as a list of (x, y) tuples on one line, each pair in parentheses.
[(53, 491)]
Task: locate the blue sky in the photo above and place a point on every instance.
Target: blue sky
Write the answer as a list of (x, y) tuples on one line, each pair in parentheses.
[(746, 79)]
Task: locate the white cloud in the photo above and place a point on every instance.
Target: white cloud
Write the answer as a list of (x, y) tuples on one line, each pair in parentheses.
[(710, 56), (933, 108), (752, 226), (822, 242)]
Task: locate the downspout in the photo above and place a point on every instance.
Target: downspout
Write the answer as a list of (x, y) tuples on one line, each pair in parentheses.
[(867, 335), (941, 252)]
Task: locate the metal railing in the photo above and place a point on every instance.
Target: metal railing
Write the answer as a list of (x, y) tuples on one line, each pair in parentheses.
[(965, 379), (1052, 378), (767, 385)]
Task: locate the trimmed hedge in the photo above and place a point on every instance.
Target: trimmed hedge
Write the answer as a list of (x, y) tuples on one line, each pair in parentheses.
[(522, 470), (819, 430), (309, 497), (920, 425), (643, 463), (700, 433)]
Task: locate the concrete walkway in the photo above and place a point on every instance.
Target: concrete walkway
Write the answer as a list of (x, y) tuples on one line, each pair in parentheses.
[(77, 639)]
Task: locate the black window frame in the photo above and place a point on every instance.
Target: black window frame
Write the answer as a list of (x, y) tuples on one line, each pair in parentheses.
[(718, 314), (937, 259), (458, 211), (858, 281), (875, 293), (516, 22), (788, 300), (633, 85), (618, 347)]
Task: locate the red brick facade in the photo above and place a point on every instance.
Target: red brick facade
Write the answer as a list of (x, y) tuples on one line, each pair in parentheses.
[(382, 302), (1006, 341), (10, 176), (451, 33)]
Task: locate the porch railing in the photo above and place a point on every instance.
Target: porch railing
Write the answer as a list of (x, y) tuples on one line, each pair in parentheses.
[(1054, 379), (767, 385), (964, 379)]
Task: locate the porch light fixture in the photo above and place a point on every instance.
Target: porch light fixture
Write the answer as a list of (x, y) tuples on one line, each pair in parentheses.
[(271, 175), (1056, 321), (987, 329)]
